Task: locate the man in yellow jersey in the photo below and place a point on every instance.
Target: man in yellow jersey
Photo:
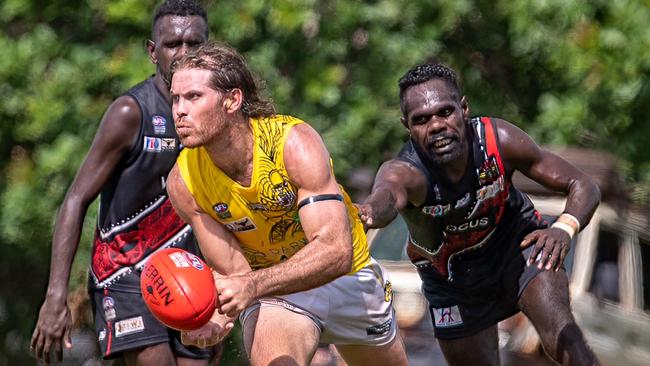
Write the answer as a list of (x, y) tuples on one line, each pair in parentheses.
[(259, 191)]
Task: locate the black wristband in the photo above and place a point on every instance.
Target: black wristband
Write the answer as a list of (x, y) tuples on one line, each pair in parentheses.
[(320, 197)]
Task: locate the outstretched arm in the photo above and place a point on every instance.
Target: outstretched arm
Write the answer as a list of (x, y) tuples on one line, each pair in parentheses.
[(116, 135), (521, 153), (397, 182)]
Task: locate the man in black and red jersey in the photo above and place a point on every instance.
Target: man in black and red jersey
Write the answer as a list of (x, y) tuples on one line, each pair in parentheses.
[(133, 151), (482, 250)]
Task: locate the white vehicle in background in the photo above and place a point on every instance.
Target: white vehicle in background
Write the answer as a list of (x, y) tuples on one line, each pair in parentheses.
[(608, 267)]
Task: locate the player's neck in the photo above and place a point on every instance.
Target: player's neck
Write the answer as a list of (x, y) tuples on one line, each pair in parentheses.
[(160, 83), (232, 151)]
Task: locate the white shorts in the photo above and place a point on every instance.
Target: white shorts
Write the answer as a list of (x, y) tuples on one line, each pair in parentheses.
[(354, 309)]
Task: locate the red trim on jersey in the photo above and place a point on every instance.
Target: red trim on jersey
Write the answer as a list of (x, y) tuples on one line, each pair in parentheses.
[(491, 142), (130, 247)]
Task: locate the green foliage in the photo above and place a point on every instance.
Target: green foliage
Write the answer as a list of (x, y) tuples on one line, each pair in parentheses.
[(567, 71)]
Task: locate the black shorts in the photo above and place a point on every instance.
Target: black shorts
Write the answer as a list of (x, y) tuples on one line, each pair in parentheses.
[(123, 322), (457, 312)]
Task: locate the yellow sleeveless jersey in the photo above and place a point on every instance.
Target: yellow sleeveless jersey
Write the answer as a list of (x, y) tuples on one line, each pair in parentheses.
[(264, 216)]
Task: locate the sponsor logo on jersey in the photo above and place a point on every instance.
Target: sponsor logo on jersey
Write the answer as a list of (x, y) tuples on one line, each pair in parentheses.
[(447, 317), (481, 223), (490, 191), (436, 190), (168, 144), (221, 209), (257, 207), (102, 335), (488, 172), (245, 224), (437, 210), (108, 304), (487, 192), (159, 124), (129, 326), (153, 144), (380, 329), (463, 201)]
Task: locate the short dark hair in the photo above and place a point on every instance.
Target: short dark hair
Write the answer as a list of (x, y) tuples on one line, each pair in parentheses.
[(423, 73), (182, 8), (228, 71)]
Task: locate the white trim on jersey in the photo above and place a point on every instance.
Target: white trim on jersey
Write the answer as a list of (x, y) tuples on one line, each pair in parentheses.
[(135, 218), (138, 266)]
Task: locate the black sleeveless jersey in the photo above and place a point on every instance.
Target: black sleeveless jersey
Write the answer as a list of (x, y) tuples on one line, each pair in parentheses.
[(468, 229), (135, 216)]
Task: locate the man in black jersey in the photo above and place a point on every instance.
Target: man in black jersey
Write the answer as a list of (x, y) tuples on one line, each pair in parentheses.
[(134, 148), (468, 225)]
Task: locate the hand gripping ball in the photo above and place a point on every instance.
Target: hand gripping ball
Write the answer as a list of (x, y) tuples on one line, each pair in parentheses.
[(178, 288)]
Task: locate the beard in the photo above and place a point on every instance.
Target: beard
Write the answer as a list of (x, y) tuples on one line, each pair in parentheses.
[(196, 138), (188, 141), (208, 127)]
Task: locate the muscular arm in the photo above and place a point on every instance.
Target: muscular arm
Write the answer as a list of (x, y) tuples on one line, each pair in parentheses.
[(328, 254), (116, 135), (219, 247), (397, 183), (521, 153), (550, 245)]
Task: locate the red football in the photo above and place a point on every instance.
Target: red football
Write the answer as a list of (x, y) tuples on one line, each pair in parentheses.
[(178, 288)]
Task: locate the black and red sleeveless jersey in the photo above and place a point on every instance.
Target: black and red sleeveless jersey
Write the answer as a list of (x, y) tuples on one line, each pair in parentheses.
[(135, 216), (467, 229)]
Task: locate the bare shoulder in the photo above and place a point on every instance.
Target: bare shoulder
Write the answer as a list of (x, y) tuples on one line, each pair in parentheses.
[(124, 111), (175, 183), (303, 139), (305, 156), (180, 195), (120, 124), (116, 136), (518, 149)]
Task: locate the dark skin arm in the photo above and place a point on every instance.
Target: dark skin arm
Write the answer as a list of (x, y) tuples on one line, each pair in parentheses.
[(397, 183), (520, 152), (116, 135)]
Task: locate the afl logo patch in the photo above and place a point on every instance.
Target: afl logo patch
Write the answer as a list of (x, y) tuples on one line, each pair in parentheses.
[(159, 124), (221, 209)]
